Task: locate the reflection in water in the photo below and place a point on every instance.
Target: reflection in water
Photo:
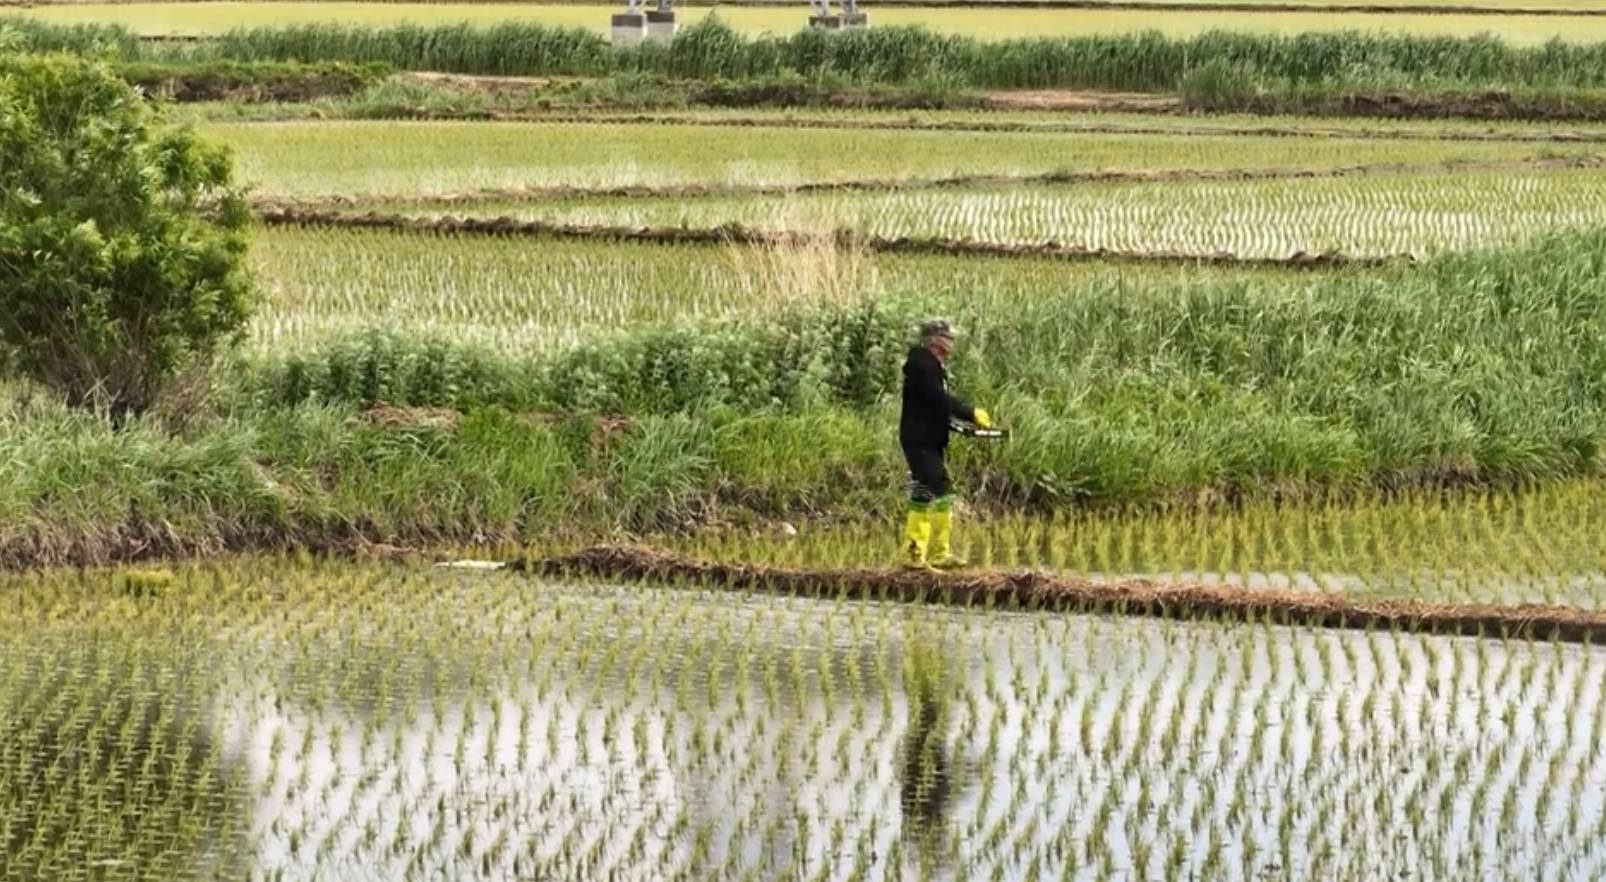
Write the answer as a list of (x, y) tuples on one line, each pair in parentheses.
[(926, 774)]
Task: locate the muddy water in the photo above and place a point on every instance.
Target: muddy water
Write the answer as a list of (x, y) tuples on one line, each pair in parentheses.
[(484, 726)]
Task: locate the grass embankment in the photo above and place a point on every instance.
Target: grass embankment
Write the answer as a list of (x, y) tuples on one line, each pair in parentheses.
[(1470, 369), (1345, 72), (440, 98), (254, 82), (1032, 590)]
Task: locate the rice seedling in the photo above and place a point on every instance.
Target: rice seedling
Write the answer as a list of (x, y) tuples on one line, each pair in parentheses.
[(1417, 544), (1378, 215), (512, 295), (422, 159)]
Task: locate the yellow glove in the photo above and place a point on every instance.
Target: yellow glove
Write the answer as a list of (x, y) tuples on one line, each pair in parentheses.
[(982, 419)]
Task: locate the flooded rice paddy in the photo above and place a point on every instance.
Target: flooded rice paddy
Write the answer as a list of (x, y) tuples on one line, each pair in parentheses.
[(279, 719)]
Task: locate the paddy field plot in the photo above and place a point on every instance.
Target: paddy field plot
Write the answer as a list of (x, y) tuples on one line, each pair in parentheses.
[(1375, 215), (422, 159), (517, 293), (272, 720), (158, 19)]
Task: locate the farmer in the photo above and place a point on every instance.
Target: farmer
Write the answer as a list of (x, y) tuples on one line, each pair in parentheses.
[(928, 413)]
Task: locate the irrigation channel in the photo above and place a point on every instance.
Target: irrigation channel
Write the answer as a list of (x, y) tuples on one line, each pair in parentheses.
[(283, 718)]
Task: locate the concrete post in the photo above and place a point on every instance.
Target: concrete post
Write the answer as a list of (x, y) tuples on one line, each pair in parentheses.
[(661, 24), (628, 28), (821, 16)]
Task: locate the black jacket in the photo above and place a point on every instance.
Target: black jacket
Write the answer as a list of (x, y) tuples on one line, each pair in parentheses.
[(927, 406)]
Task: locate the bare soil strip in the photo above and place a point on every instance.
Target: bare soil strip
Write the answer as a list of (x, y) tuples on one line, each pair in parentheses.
[(869, 185), (847, 239), (1045, 591), (1025, 126), (1083, 101)]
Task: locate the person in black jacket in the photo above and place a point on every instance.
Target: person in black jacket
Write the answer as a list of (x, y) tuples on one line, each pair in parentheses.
[(928, 414)]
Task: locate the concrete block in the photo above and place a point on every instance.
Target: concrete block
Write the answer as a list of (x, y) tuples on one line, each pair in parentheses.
[(628, 28), (660, 26)]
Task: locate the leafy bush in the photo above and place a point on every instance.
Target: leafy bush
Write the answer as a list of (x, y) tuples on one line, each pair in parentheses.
[(121, 245)]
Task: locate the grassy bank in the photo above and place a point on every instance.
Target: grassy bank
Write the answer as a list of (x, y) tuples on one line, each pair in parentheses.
[(986, 20), (711, 65), (897, 55), (253, 82), (1473, 369)]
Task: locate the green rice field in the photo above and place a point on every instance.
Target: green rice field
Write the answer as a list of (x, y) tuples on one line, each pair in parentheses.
[(207, 18), (273, 720), (1378, 215), (436, 158), (516, 294), (304, 619)]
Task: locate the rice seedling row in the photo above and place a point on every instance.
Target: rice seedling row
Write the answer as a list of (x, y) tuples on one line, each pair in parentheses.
[(1363, 217), (384, 722), (1474, 547), (513, 293), (1111, 122), (318, 283), (287, 209), (207, 18), (404, 159)]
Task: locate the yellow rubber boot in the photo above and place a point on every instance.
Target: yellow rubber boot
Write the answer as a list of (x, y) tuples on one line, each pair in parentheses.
[(942, 525), (916, 536)]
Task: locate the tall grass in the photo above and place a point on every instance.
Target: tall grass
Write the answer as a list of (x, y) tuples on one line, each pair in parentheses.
[(712, 50), (23, 33), (1480, 367), (1119, 388)]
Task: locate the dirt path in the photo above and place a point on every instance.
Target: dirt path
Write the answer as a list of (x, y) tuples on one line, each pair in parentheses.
[(467, 82), (1044, 591), (1083, 101)]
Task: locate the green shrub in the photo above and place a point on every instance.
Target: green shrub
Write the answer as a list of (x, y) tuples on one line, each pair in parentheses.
[(121, 244)]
